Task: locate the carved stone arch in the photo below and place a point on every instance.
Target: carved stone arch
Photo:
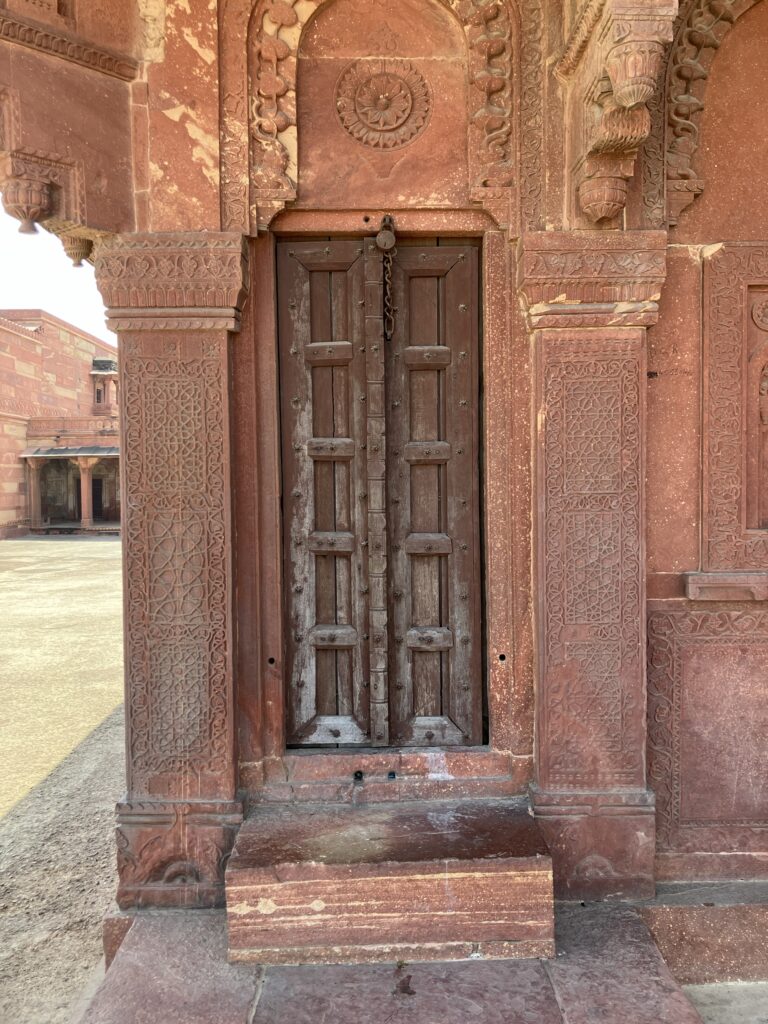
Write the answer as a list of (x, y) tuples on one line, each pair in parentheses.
[(671, 181), (259, 44)]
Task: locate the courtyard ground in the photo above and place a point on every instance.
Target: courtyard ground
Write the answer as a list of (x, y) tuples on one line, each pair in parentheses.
[(61, 767)]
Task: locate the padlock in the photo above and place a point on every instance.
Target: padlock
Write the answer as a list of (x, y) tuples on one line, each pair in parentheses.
[(385, 239)]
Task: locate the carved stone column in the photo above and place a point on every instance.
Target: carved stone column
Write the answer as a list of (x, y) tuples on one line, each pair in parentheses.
[(174, 299), (34, 500), (589, 297), (85, 465)]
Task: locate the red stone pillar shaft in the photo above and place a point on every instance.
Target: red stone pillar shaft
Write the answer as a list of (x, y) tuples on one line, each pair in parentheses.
[(85, 466), (589, 297), (175, 299), (35, 498)]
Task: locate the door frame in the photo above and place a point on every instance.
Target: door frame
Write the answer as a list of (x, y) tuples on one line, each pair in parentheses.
[(505, 764)]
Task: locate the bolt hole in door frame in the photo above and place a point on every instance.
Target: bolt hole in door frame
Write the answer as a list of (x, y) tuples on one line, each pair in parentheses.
[(503, 765)]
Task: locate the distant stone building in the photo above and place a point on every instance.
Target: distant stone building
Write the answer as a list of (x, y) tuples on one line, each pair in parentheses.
[(59, 432)]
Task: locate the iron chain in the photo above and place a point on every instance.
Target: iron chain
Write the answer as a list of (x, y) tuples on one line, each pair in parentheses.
[(389, 309)]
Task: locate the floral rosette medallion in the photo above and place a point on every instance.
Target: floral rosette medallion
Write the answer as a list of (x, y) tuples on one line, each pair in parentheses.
[(383, 104)]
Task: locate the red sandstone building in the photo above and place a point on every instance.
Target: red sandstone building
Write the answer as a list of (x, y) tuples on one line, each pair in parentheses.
[(444, 347), (59, 432)]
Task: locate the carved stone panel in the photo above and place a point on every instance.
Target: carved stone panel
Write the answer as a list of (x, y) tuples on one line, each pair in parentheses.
[(735, 358), (500, 102), (590, 526), (177, 557), (707, 723)]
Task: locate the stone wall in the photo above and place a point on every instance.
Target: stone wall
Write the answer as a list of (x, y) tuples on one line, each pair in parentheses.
[(46, 391)]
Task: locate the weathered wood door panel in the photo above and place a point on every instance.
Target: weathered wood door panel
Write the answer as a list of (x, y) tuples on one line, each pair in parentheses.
[(380, 496)]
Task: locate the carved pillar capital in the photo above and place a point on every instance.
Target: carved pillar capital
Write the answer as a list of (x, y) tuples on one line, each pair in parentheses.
[(174, 298), (588, 298), (583, 279), (173, 281)]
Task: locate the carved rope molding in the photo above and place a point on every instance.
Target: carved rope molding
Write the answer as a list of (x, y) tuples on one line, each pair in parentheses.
[(260, 42), (56, 43), (702, 27)]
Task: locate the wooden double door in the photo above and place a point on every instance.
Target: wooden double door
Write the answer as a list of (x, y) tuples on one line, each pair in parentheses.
[(381, 470)]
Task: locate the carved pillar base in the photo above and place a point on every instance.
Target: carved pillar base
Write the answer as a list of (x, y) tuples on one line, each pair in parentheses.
[(603, 845), (174, 300), (173, 854), (589, 297)]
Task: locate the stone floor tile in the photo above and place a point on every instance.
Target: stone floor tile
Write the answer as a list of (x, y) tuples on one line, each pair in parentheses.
[(456, 993), (172, 969)]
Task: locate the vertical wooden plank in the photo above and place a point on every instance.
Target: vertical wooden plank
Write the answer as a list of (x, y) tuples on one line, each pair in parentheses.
[(322, 398), (296, 412), (464, 685), (399, 511), (359, 584), (424, 425), (340, 388), (377, 512)]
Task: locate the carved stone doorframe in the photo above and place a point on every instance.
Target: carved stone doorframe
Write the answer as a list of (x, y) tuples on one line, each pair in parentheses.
[(589, 297), (174, 299)]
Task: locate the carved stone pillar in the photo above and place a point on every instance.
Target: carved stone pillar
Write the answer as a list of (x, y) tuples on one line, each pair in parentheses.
[(34, 499), (589, 297), (174, 299), (85, 465)]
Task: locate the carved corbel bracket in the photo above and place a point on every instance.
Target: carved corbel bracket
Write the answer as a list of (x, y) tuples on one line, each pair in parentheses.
[(48, 189), (610, 69)]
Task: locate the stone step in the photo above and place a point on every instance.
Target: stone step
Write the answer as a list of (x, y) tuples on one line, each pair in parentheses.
[(438, 880)]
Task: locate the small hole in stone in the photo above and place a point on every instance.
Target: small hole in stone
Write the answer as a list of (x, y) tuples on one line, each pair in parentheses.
[(270, 661), (391, 776), (358, 776), (502, 657), (366, 219)]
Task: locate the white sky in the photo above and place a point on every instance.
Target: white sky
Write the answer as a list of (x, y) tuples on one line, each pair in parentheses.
[(36, 273)]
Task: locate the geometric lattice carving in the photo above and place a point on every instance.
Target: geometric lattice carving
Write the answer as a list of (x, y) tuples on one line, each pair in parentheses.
[(591, 713), (175, 535)]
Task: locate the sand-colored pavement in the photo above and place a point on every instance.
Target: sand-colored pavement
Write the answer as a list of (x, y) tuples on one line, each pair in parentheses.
[(62, 767), (61, 669)]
